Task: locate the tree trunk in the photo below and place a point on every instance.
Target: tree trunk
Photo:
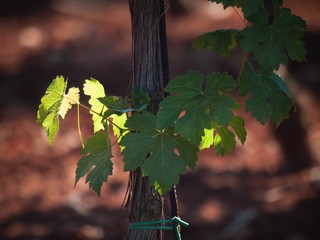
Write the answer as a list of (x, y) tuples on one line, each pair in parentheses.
[(144, 203)]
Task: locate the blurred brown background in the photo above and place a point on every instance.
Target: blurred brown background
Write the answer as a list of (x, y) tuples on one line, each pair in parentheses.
[(268, 189)]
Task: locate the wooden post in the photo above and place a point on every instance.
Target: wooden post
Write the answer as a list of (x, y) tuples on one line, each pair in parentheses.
[(144, 203)]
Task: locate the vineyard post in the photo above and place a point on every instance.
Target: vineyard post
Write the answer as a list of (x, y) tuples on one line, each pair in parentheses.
[(144, 203)]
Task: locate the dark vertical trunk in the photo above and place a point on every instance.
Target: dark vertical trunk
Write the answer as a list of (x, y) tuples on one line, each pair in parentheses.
[(144, 203)]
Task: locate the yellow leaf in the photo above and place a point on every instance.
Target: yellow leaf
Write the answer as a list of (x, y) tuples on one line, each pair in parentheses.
[(94, 89), (72, 97)]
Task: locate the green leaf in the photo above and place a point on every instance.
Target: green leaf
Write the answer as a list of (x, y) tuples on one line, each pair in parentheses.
[(119, 105), (277, 3), (221, 41), (269, 42), (269, 98), (103, 107), (191, 108), (222, 138), (237, 124), (228, 3), (115, 104), (49, 121), (96, 159), (55, 103), (140, 98), (94, 89), (161, 153), (248, 6)]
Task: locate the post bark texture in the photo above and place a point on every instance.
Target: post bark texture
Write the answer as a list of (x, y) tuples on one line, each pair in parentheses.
[(143, 202)]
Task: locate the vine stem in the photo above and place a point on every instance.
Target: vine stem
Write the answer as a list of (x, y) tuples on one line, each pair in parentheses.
[(79, 128), (243, 63), (99, 114)]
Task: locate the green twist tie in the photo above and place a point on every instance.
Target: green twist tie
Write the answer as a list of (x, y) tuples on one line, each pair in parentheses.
[(166, 224)]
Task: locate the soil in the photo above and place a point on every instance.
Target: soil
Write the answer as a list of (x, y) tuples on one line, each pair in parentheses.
[(267, 189)]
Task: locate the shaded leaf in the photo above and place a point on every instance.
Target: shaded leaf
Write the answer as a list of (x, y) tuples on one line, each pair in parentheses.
[(161, 154), (191, 108), (224, 140), (269, 98), (221, 41), (95, 160), (118, 105), (271, 44), (237, 124), (140, 98), (248, 6)]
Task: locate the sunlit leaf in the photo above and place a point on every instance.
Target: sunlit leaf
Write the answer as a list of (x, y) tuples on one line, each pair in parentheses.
[(72, 97), (95, 90), (222, 138), (119, 121), (54, 103), (207, 139)]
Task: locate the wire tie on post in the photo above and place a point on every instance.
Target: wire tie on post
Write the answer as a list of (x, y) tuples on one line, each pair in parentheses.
[(166, 224)]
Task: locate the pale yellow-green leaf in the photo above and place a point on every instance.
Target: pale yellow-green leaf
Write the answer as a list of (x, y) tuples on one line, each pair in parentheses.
[(94, 89), (72, 97), (119, 121), (207, 138), (48, 112)]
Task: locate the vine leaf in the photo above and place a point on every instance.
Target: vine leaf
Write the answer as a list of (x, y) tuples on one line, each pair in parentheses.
[(55, 103), (97, 154), (237, 124), (221, 41), (248, 6), (120, 121), (269, 96), (115, 105), (207, 139), (101, 107), (140, 98), (161, 153), (72, 97), (94, 89), (118, 105), (222, 138), (271, 44), (191, 109)]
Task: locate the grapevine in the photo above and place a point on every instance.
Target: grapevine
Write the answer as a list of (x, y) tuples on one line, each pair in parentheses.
[(198, 111)]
